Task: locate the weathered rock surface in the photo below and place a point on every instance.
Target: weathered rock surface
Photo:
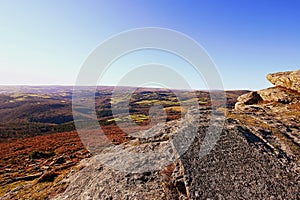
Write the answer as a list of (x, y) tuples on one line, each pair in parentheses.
[(279, 94), (112, 175), (290, 80), (275, 118), (240, 166), (97, 181), (257, 156), (278, 112), (286, 91), (248, 99)]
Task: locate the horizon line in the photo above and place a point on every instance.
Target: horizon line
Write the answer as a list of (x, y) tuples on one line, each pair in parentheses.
[(70, 85)]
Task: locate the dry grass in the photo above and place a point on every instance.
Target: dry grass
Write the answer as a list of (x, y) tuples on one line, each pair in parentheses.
[(36, 155)]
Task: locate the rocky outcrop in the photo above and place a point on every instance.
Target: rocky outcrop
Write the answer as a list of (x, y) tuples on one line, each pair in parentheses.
[(257, 156), (97, 181), (279, 94), (285, 91), (240, 166), (275, 118), (250, 98), (290, 80), (116, 174)]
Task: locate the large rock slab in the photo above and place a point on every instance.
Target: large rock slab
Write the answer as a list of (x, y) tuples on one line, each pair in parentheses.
[(273, 115), (289, 80), (278, 94), (241, 166)]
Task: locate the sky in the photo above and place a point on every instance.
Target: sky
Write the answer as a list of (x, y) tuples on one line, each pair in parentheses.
[(46, 42)]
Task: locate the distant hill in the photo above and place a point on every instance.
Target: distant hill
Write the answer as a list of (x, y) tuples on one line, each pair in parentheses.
[(34, 110)]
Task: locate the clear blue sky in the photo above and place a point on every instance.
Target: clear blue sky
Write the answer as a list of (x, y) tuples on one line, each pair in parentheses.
[(45, 42)]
